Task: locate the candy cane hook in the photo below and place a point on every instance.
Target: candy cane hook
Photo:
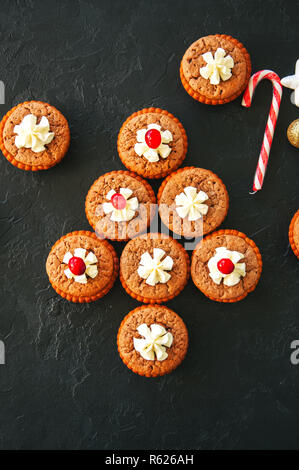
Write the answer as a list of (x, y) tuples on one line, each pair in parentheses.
[(271, 123)]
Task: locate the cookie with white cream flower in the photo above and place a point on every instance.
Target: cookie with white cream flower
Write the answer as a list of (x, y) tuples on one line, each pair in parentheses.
[(192, 201), (34, 136), (152, 340), (152, 142), (81, 267), (215, 69), (226, 266), (120, 205), (154, 268)]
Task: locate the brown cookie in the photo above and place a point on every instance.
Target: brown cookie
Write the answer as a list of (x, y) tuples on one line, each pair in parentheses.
[(127, 139), (217, 201), (138, 286), (199, 87), (95, 287), (149, 315), (234, 241), (26, 158), (96, 203)]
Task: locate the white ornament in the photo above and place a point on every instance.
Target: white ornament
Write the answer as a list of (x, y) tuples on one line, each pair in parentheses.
[(228, 279), (31, 135), (121, 215), (190, 204), (155, 341), (292, 81), (90, 262), (218, 67), (152, 155), (153, 269)]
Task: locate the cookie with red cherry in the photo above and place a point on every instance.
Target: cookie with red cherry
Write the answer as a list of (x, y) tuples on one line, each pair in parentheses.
[(120, 205), (152, 142), (226, 266), (81, 267)]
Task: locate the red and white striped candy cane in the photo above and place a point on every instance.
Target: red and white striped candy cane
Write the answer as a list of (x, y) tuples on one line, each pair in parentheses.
[(271, 123)]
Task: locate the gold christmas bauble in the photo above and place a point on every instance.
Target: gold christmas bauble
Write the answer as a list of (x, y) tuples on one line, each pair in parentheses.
[(293, 133)]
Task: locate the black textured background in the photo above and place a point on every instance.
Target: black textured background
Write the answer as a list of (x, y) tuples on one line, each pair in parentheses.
[(63, 385)]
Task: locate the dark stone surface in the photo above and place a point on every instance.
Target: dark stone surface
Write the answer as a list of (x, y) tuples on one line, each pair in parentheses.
[(63, 385)]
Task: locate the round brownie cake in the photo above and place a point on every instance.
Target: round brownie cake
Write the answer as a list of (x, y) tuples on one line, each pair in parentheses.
[(120, 205), (152, 340), (82, 268), (193, 201), (215, 69), (34, 136), (154, 268), (226, 266), (152, 143)]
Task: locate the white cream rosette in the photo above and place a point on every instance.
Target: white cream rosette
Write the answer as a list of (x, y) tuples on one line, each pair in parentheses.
[(31, 135), (228, 279), (152, 155), (154, 269), (190, 204), (218, 67), (90, 262), (153, 345), (121, 215)]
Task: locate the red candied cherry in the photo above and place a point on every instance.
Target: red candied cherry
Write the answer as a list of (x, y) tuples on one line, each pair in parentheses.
[(77, 266), (153, 138), (118, 201), (225, 266)]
